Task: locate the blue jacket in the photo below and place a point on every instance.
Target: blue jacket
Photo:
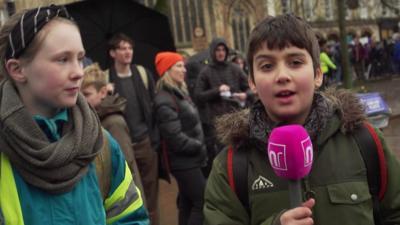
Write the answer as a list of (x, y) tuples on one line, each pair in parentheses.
[(396, 52)]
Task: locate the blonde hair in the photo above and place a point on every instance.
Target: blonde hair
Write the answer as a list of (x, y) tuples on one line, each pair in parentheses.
[(166, 80), (94, 75)]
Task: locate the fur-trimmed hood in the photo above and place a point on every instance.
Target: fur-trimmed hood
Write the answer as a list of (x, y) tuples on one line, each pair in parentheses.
[(234, 128)]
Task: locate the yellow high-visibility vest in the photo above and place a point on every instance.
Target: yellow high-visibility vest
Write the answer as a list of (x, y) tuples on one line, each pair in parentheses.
[(9, 200)]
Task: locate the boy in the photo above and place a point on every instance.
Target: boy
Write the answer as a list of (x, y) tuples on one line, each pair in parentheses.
[(285, 72), (110, 109)]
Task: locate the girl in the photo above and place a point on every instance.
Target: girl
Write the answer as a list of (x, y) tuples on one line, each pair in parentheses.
[(180, 127), (49, 135)]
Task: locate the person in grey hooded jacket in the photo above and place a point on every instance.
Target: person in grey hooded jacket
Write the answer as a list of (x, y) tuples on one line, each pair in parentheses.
[(221, 87)]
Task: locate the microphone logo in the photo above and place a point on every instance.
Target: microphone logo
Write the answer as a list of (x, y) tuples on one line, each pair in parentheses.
[(277, 156), (307, 151)]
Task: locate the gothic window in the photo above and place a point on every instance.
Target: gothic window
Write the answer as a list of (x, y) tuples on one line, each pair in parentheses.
[(328, 9), (384, 10), (285, 6), (271, 7), (240, 27), (308, 11), (185, 16), (348, 14), (363, 12)]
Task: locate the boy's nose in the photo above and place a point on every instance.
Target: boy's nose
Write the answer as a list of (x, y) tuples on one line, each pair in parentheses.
[(283, 75)]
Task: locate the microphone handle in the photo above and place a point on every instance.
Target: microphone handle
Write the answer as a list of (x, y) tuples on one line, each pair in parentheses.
[(295, 195)]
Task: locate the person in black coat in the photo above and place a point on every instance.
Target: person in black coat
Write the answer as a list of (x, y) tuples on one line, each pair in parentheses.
[(181, 130)]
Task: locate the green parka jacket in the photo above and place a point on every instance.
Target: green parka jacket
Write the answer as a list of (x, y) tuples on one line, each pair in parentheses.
[(337, 179)]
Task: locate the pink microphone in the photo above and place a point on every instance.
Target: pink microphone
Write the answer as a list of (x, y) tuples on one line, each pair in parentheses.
[(290, 154)]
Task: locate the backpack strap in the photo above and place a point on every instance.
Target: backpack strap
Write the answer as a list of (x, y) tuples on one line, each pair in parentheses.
[(237, 168), (143, 75), (103, 166), (372, 153)]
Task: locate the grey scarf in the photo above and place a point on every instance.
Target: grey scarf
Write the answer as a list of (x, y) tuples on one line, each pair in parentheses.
[(261, 125), (54, 167)]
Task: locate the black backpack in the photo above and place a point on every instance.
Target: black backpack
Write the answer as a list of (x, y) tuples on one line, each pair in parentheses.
[(371, 151)]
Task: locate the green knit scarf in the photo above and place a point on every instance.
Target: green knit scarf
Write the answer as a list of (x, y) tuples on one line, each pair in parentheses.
[(54, 167)]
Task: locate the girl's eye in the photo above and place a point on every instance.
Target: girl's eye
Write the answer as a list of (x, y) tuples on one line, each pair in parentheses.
[(62, 60), (81, 61)]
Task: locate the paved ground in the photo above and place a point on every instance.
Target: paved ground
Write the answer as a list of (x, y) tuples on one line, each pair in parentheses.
[(389, 89), (168, 211)]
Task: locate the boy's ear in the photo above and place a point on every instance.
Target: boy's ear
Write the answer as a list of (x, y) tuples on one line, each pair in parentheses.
[(252, 85), (103, 92), (319, 77), (112, 53), (14, 69)]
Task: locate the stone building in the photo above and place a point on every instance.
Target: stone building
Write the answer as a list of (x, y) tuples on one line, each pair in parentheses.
[(196, 22), (24, 4)]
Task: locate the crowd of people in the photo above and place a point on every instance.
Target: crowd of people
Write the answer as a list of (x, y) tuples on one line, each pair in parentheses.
[(369, 59), (80, 145)]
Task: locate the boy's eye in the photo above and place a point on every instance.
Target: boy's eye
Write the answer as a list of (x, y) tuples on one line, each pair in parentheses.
[(295, 62), (266, 66)]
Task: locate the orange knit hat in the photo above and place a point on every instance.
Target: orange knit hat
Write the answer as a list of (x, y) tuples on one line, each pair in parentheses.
[(165, 60)]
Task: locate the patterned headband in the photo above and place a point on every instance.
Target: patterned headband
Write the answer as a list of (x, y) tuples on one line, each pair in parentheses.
[(29, 25)]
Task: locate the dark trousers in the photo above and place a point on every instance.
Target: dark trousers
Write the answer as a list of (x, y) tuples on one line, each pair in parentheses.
[(211, 145), (191, 185), (146, 159), (359, 68)]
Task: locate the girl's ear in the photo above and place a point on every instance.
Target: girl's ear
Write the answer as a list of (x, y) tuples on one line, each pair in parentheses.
[(14, 69)]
